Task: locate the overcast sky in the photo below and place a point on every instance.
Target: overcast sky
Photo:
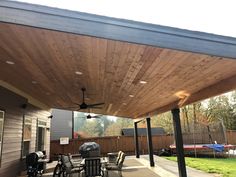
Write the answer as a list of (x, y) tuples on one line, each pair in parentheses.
[(212, 16)]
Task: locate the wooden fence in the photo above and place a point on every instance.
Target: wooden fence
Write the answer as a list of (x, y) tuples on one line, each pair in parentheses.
[(124, 143), (112, 144)]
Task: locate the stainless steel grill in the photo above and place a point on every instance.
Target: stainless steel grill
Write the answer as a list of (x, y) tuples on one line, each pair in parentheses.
[(35, 163), (89, 149)]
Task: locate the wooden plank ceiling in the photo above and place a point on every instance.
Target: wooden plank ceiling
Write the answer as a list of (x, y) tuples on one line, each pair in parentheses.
[(46, 62)]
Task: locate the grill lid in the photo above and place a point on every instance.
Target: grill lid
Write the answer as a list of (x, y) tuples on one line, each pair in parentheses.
[(89, 146)]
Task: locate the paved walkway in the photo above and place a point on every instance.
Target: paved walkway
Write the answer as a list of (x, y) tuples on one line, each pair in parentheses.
[(169, 168)]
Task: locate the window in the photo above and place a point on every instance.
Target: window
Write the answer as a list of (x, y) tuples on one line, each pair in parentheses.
[(42, 124), (26, 136), (1, 132), (41, 134)]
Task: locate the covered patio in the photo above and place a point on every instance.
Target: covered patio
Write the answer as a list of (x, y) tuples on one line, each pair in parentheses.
[(136, 69)]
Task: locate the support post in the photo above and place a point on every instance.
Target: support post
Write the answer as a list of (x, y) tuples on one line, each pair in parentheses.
[(136, 139), (73, 124), (179, 143), (149, 139)]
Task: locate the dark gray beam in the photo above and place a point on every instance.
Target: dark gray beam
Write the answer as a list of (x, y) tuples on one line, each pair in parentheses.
[(179, 143), (73, 124), (139, 120), (136, 139), (117, 29), (149, 139)]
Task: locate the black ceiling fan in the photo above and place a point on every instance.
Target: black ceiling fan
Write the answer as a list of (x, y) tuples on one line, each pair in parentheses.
[(83, 105), (89, 116)]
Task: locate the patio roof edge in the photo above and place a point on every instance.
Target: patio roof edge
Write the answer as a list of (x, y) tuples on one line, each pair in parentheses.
[(116, 29)]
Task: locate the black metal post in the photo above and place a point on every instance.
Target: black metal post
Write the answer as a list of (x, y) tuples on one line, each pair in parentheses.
[(179, 143), (149, 139), (73, 124), (136, 139)]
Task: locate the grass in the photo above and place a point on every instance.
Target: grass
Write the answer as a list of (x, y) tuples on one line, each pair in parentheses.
[(224, 166)]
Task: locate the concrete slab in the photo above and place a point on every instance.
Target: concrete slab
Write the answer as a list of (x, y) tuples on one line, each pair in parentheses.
[(170, 168)]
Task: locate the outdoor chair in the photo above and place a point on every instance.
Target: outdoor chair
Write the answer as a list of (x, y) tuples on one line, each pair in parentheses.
[(114, 157), (76, 162), (93, 167), (116, 167), (68, 166)]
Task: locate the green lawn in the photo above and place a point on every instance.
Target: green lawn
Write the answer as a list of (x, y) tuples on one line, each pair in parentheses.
[(225, 166)]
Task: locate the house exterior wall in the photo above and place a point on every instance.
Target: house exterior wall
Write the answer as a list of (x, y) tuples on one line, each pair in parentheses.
[(12, 161), (62, 124)]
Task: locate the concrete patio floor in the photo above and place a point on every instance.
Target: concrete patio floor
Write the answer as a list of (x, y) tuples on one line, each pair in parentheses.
[(169, 168), (134, 167)]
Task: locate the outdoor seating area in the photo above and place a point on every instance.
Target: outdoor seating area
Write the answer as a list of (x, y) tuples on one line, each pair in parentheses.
[(130, 167), (134, 167), (89, 162), (88, 166)]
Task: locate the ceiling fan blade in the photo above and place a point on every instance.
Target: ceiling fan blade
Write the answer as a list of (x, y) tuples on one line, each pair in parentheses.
[(95, 107), (76, 103), (71, 107), (96, 117), (96, 104)]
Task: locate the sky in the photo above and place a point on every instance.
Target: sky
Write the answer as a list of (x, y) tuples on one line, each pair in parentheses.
[(211, 16)]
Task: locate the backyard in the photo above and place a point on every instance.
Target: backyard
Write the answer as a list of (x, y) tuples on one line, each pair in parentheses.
[(224, 166)]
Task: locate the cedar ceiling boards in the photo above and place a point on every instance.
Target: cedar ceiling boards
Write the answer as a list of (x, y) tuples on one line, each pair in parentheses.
[(111, 71), (49, 45)]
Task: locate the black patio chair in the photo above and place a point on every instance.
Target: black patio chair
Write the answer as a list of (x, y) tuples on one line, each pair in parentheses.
[(116, 167), (93, 167), (68, 166), (76, 162), (114, 157)]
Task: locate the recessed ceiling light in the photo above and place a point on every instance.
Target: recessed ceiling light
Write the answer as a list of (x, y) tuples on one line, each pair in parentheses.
[(142, 82), (87, 98), (124, 103), (78, 73), (131, 96), (34, 82), (10, 62)]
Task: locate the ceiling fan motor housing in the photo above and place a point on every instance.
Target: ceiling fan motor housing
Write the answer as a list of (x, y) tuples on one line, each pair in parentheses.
[(89, 116), (83, 106)]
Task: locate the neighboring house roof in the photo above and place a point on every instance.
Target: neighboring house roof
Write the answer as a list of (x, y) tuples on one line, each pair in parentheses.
[(142, 131)]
